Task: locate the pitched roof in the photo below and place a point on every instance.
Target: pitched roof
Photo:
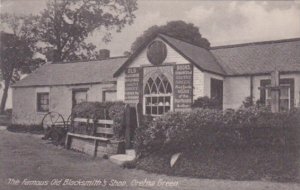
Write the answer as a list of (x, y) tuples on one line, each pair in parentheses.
[(200, 57), (73, 73), (260, 57)]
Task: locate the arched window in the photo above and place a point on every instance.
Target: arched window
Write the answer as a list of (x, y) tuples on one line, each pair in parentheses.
[(157, 95)]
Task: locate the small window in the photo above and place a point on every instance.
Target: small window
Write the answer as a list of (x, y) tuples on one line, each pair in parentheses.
[(285, 98), (109, 96), (43, 102), (286, 95), (79, 95)]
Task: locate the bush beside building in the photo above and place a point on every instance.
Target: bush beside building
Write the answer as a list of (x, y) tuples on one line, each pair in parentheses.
[(247, 144)]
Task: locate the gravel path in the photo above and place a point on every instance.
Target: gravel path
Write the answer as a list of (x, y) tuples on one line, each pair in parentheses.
[(27, 162)]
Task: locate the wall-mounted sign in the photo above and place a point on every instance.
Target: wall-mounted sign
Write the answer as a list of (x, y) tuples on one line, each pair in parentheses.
[(157, 52), (133, 85), (183, 87)]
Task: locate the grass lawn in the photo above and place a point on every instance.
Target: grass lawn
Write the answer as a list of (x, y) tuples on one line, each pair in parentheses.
[(26, 156), (5, 119)]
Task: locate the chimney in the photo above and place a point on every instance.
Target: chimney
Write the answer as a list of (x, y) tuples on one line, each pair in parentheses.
[(103, 54)]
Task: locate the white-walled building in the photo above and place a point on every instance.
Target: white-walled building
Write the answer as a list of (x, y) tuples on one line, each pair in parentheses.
[(165, 74)]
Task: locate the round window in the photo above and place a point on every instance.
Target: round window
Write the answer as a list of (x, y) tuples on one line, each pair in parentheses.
[(157, 52)]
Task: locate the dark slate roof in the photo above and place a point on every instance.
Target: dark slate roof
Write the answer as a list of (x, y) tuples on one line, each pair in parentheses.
[(199, 56), (260, 57), (73, 73)]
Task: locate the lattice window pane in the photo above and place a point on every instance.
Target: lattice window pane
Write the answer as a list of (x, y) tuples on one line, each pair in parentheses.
[(168, 89), (162, 88), (160, 110), (147, 89), (148, 110), (158, 99), (150, 81), (43, 102)]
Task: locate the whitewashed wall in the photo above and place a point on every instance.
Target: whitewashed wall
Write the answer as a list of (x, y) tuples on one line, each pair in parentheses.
[(121, 87), (235, 90), (24, 101), (296, 77), (172, 57), (198, 83)]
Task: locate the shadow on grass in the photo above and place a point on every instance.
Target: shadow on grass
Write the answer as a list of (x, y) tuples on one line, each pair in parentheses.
[(33, 129), (244, 164)]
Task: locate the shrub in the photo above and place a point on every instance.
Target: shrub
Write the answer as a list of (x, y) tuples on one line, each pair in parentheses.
[(244, 117), (177, 131), (207, 103), (249, 143), (188, 131), (248, 102), (141, 138), (92, 110), (116, 113)]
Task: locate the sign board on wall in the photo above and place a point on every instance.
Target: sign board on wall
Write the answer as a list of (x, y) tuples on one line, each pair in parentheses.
[(133, 85), (183, 87)]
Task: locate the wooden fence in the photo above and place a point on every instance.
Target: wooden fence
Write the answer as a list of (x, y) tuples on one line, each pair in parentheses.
[(93, 137)]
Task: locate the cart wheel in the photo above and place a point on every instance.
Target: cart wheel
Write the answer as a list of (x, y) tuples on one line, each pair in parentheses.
[(69, 122), (53, 119)]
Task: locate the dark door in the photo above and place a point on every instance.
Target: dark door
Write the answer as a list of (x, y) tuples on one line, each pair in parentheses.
[(216, 91), (130, 126)]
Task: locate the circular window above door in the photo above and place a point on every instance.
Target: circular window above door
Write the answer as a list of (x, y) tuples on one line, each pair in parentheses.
[(157, 52)]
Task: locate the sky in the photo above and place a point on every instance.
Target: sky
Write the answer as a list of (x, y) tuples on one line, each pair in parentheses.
[(221, 22)]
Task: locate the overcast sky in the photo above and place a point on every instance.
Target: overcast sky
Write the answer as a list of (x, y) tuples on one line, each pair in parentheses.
[(221, 22)]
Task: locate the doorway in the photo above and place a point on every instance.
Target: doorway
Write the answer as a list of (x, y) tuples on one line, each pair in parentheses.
[(216, 91)]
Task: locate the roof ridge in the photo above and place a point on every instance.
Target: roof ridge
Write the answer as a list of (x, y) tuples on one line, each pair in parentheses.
[(163, 34), (255, 43), (80, 61)]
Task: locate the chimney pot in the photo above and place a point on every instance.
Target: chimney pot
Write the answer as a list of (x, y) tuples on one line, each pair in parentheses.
[(104, 54)]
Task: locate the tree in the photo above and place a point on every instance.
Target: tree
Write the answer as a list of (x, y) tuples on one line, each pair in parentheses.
[(15, 57), (65, 24), (17, 49), (178, 29)]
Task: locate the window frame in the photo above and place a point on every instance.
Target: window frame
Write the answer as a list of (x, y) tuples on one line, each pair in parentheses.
[(283, 82), (268, 97), (286, 98), (38, 102), (74, 91), (157, 95), (103, 94)]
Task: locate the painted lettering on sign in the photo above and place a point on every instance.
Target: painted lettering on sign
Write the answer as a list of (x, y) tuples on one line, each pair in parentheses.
[(183, 87), (132, 85)]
